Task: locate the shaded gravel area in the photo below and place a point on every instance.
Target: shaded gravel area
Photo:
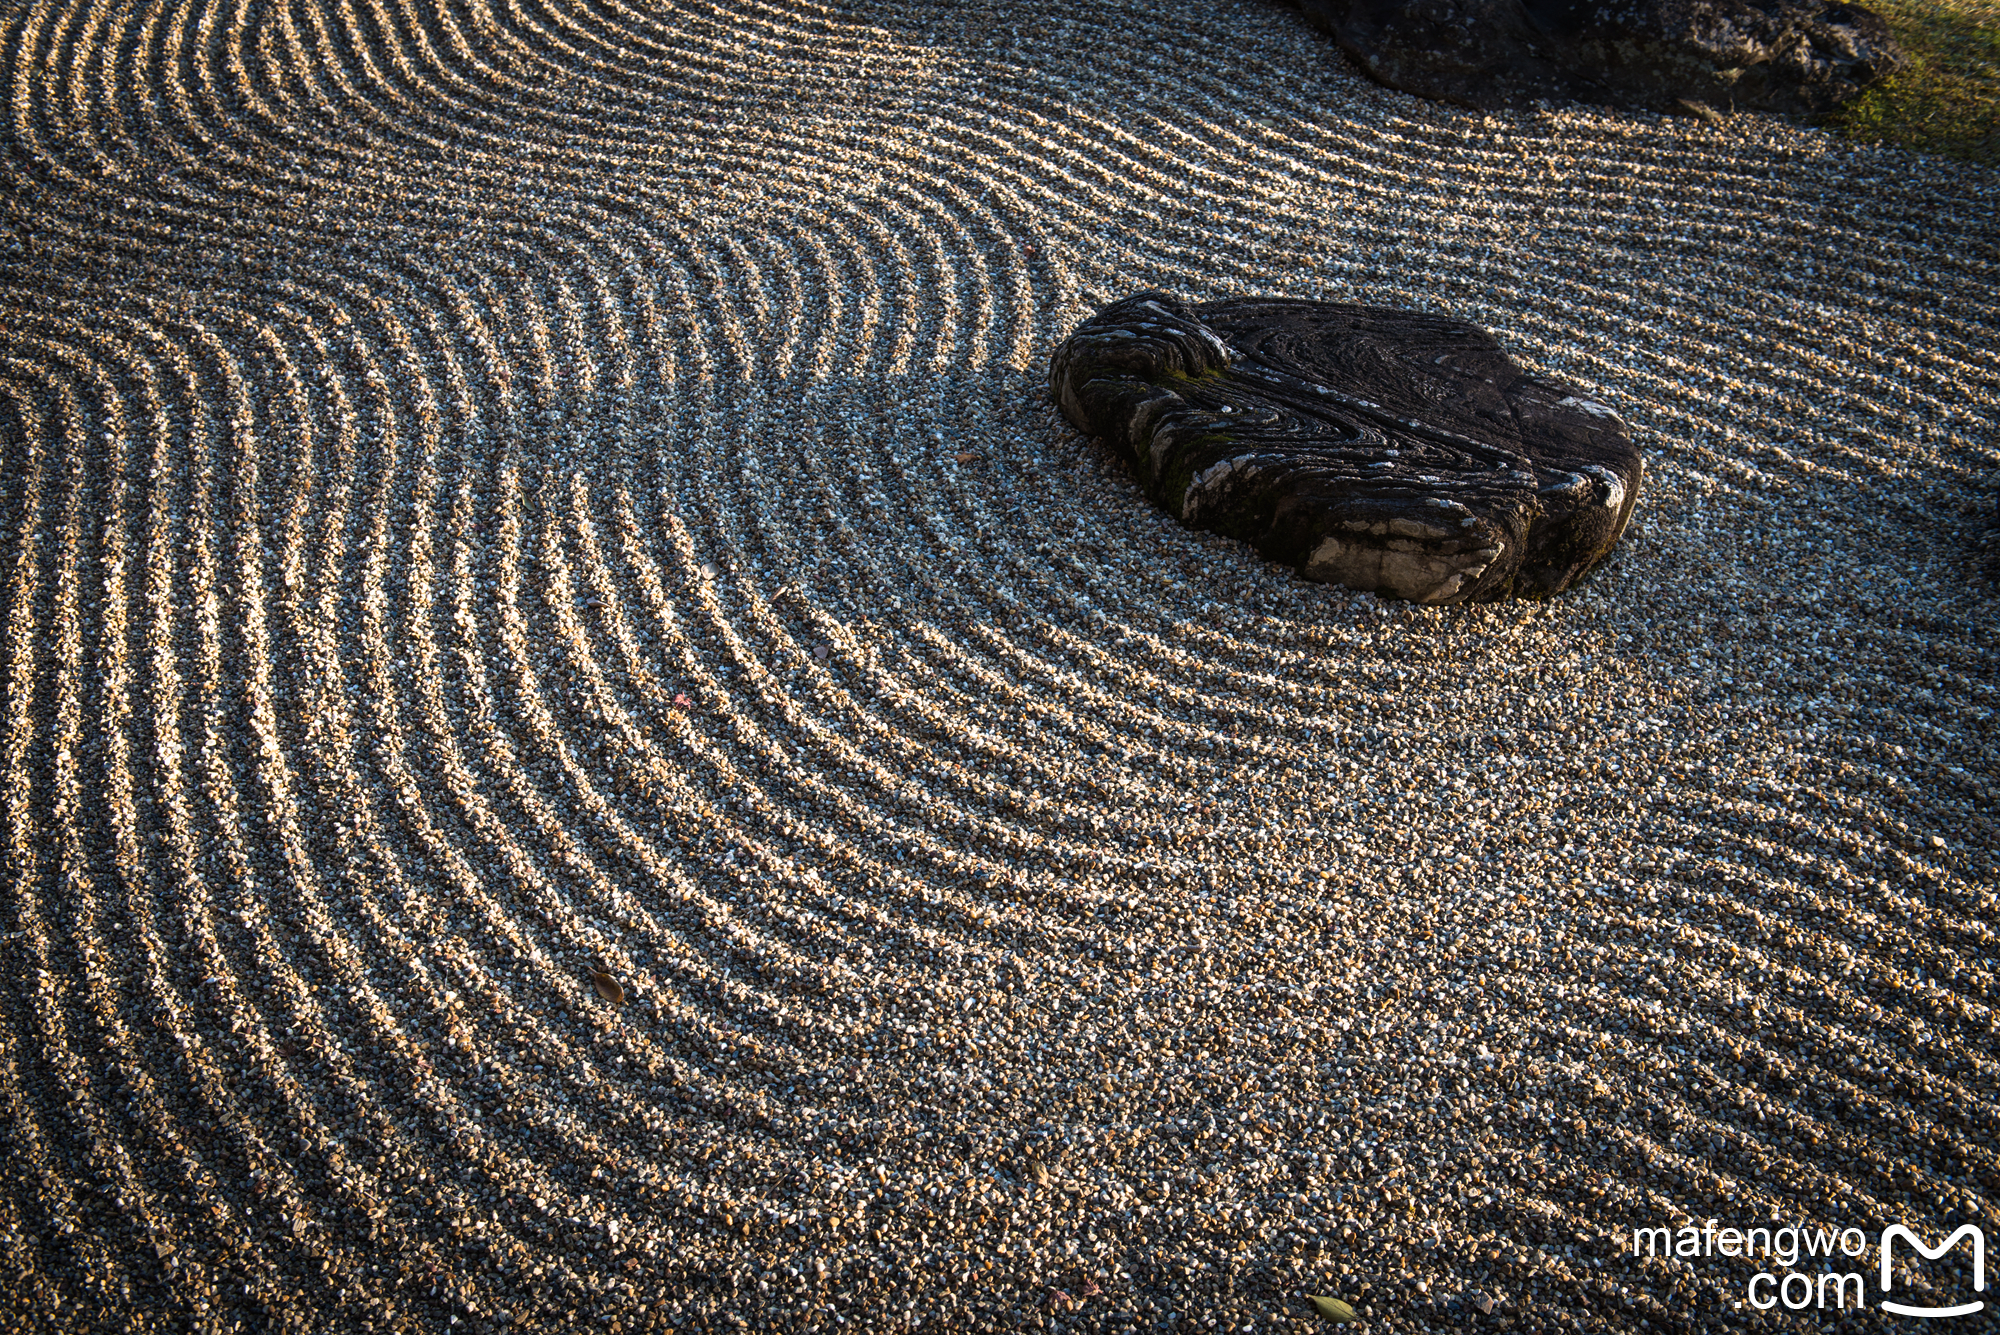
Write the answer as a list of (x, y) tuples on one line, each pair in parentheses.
[(498, 501)]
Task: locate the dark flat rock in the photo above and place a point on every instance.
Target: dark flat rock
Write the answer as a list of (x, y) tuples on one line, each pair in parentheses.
[(1379, 449), (1795, 56)]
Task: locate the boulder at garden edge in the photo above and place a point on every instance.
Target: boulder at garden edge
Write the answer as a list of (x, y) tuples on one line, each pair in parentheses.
[(1797, 56)]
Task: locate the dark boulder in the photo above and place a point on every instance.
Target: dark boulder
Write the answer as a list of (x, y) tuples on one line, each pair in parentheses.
[(1777, 55), (1380, 449)]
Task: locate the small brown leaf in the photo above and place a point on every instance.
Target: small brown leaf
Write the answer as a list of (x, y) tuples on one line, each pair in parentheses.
[(1036, 1173), (1333, 1309), (967, 456), (607, 987)]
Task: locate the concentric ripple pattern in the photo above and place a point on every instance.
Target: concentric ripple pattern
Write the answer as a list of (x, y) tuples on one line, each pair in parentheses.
[(503, 498)]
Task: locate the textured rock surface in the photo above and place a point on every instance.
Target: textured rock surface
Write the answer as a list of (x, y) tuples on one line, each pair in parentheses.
[(1784, 55), (1380, 449)]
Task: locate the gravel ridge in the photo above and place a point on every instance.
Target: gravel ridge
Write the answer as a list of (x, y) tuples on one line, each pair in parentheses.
[(491, 493)]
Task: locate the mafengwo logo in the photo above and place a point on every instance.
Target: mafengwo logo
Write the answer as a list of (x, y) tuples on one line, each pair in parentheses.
[(1819, 1285), (1894, 1231)]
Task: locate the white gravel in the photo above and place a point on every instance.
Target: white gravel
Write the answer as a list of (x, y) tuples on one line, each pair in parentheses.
[(500, 492)]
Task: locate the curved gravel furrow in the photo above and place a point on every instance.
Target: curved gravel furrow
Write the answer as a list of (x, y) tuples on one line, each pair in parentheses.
[(496, 495)]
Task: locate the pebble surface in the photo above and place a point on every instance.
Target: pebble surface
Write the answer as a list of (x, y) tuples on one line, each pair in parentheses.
[(582, 745)]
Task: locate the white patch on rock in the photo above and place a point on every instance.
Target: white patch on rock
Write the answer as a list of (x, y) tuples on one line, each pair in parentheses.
[(1591, 406), (1399, 569), (1614, 486), (1211, 477), (1411, 528)]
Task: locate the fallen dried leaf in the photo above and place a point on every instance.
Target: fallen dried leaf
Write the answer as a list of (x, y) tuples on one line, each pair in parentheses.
[(607, 987), (967, 456), (1333, 1309), (1036, 1173)]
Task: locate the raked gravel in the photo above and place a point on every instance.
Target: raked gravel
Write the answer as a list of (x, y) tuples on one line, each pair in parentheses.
[(495, 492)]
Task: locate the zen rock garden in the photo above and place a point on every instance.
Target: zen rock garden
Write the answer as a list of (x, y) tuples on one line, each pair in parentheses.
[(1384, 450), (1405, 453)]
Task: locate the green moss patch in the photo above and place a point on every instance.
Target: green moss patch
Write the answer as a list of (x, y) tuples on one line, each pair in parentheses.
[(1947, 100)]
